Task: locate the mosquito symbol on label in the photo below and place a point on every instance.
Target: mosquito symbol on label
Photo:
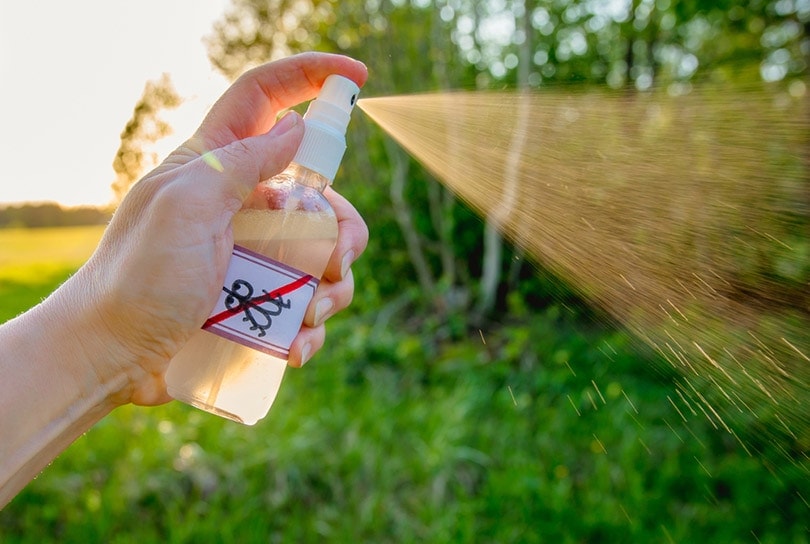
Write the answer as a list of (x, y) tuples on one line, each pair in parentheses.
[(240, 299)]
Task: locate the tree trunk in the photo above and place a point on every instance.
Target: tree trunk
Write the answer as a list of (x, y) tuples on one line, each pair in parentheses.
[(440, 200), (403, 215), (498, 217)]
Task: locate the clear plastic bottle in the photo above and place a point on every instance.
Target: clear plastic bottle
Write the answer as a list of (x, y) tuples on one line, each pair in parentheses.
[(288, 227)]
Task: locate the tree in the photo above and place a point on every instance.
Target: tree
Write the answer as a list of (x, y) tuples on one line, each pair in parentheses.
[(145, 127)]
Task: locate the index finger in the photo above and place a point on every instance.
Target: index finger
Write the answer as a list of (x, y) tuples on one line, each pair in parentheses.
[(250, 106)]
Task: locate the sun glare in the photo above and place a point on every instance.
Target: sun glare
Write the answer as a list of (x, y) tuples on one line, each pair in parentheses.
[(75, 90)]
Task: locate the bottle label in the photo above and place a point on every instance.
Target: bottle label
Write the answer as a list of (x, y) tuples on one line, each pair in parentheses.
[(262, 303)]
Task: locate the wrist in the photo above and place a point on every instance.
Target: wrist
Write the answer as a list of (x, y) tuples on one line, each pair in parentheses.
[(84, 355), (51, 392)]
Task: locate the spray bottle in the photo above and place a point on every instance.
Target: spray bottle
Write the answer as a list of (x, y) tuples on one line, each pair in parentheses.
[(283, 238)]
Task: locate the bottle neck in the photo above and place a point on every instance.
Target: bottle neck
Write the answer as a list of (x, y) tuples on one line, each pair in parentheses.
[(304, 176)]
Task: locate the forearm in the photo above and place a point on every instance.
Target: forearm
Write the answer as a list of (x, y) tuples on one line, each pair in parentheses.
[(49, 392)]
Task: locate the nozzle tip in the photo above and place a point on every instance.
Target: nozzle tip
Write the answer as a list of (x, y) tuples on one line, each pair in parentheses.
[(340, 91)]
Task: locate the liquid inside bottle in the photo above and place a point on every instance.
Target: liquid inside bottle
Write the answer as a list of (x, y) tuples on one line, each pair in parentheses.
[(290, 223)]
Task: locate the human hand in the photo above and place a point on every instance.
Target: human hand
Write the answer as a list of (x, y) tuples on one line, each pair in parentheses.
[(161, 263)]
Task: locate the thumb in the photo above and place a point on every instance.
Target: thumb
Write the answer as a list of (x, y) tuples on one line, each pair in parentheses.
[(246, 162)]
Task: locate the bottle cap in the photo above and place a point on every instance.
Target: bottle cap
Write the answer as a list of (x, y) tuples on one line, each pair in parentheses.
[(325, 124)]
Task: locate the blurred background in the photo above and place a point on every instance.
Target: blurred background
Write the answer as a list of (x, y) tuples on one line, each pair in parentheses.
[(455, 401)]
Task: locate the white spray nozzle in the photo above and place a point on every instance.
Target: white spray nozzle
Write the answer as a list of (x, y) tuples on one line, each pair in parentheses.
[(325, 124)]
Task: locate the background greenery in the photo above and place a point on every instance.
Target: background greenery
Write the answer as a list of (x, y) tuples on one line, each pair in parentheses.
[(449, 405), (545, 428)]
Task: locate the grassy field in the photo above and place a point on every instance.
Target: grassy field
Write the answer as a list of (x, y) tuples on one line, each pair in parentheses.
[(34, 261), (69, 246), (539, 431)]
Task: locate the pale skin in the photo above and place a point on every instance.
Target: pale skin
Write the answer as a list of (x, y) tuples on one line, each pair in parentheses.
[(105, 337)]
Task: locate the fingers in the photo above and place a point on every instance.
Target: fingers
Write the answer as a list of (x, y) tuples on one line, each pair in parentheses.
[(236, 138), (352, 237), (250, 106), (244, 163), (329, 299), (336, 290), (308, 341)]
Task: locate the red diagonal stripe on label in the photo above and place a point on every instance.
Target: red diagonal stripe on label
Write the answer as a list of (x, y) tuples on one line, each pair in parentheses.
[(283, 290)]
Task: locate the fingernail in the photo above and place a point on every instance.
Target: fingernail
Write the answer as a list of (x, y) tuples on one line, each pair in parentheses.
[(305, 353), (322, 308), (284, 124), (346, 263)]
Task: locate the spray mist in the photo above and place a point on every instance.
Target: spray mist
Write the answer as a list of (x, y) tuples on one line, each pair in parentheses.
[(283, 238)]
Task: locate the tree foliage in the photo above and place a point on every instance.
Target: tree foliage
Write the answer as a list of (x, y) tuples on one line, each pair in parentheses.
[(50, 214), (145, 127), (425, 45)]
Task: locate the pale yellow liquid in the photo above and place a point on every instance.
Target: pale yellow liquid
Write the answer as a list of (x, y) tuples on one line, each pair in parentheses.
[(226, 378)]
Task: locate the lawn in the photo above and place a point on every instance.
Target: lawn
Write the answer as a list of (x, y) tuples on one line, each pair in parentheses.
[(34, 261), (540, 430)]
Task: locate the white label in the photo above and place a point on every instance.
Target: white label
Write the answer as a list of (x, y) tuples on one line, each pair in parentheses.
[(262, 303)]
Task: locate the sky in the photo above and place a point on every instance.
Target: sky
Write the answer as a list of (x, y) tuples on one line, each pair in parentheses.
[(71, 73)]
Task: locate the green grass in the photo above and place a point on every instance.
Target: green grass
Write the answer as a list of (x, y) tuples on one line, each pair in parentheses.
[(34, 261), (64, 246), (542, 429)]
